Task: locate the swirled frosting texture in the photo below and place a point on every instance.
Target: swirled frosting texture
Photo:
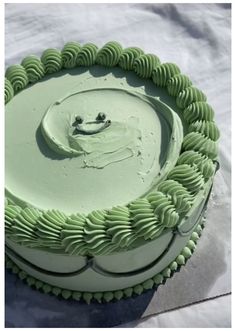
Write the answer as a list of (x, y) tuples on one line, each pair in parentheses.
[(162, 73), (207, 128), (109, 55), (52, 60), (34, 68), (128, 57), (189, 95), (144, 65), (69, 54), (17, 75), (198, 142), (178, 83), (198, 111), (87, 55), (8, 91)]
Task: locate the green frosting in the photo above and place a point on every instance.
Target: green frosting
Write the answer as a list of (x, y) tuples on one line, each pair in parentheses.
[(162, 73), (179, 195), (69, 54), (203, 163), (128, 57), (191, 245), (49, 227), (186, 252), (96, 236), (72, 235), (189, 95), (173, 266), (52, 60), (194, 237), (178, 83), (109, 55), (144, 220), (198, 110), (34, 68), (163, 209), (87, 55), (17, 76), (24, 227), (188, 176), (158, 279), (199, 143), (145, 64), (166, 272), (119, 226), (209, 129), (11, 211), (8, 91), (103, 232)]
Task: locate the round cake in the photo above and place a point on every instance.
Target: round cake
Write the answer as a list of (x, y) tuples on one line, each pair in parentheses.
[(110, 157)]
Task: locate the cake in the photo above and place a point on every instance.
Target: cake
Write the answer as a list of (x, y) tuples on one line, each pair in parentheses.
[(110, 158)]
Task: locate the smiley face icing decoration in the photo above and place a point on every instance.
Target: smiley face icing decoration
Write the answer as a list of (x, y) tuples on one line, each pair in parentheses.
[(109, 176)]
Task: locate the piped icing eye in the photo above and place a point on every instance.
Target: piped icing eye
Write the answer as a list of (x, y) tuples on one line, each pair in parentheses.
[(101, 116), (79, 119)]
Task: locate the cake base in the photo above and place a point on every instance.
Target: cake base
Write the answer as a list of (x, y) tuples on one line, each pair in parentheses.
[(108, 296)]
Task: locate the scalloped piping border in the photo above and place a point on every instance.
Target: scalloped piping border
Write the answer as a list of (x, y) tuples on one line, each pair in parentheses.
[(105, 297), (116, 51)]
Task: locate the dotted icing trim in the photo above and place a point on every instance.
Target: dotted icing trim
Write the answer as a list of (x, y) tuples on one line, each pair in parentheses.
[(122, 227), (105, 297)]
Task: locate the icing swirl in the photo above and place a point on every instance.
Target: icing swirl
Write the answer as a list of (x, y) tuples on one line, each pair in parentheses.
[(199, 143), (8, 91), (34, 68), (203, 163), (17, 75), (87, 55), (144, 220), (128, 57), (188, 176), (177, 83), (23, 229), (72, 235), (49, 228), (144, 65), (162, 73), (11, 211), (69, 54), (189, 95), (207, 128), (198, 111), (119, 226), (96, 236), (179, 195), (52, 60), (163, 209), (109, 54)]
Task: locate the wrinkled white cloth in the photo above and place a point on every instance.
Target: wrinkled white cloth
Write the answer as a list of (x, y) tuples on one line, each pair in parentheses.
[(195, 36)]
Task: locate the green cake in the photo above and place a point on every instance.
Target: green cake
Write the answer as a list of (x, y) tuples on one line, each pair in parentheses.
[(110, 158)]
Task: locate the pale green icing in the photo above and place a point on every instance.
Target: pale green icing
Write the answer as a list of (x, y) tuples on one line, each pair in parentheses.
[(208, 128), (52, 60), (34, 68), (17, 76), (8, 91), (100, 147), (109, 54), (177, 83), (69, 54), (189, 95), (104, 93), (199, 143), (128, 57), (198, 110), (162, 73), (87, 55), (144, 65)]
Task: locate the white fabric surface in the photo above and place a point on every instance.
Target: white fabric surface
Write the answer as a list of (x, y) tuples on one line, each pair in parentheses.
[(195, 36)]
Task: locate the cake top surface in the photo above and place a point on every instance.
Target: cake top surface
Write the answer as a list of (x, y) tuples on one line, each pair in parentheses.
[(108, 143)]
